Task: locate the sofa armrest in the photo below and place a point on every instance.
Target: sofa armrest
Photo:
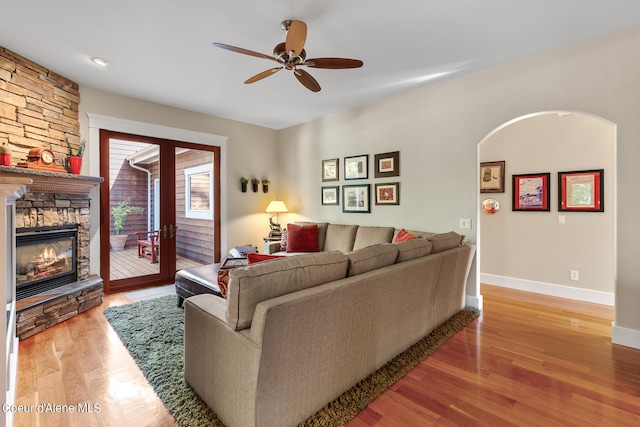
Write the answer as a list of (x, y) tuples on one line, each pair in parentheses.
[(220, 364), (271, 247)]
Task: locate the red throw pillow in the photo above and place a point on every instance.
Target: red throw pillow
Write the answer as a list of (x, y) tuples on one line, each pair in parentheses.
[(403, 235), (302, 238), (253, 258)]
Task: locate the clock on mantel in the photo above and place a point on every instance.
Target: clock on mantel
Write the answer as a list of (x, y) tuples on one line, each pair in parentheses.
[(42, 159)]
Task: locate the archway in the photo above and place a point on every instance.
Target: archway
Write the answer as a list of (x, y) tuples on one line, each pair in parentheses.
[(538, 251)]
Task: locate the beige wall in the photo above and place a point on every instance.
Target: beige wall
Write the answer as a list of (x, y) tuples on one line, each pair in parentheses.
[(437, 129), (250, 151), (534, 246)]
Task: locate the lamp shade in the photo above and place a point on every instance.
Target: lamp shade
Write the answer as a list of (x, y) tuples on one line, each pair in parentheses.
[(276, 206)]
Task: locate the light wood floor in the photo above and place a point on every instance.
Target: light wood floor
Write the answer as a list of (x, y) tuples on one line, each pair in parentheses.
[(529, 360)]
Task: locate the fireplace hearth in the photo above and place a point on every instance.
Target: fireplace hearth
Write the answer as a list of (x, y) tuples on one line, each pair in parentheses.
[(46, 259)]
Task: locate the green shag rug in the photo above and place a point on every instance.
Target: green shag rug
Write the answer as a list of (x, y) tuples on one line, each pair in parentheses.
[(153, 332)]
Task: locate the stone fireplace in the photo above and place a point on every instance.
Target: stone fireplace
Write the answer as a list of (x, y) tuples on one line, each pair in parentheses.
[(52, 222)]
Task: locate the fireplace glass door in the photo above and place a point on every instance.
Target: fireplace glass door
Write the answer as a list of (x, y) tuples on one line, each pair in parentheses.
[(45, 259)]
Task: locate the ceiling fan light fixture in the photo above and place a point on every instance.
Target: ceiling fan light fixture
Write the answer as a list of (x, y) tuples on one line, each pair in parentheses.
[(291, 54)]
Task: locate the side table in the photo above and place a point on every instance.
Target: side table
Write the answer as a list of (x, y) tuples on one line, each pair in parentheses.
[(267, 240)]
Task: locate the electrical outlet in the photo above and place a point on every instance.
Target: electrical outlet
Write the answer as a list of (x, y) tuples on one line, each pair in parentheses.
[(465, 223), (575, 275), (561, 219)]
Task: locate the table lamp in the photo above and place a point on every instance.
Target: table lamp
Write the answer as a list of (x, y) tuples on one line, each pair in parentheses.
[(275, 206)]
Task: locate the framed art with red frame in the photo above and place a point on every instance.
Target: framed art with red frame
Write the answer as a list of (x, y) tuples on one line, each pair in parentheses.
[(581, 191), (531, 192)]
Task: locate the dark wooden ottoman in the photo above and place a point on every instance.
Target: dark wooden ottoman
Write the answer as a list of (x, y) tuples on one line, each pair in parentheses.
[(202, 280), (197, 280)]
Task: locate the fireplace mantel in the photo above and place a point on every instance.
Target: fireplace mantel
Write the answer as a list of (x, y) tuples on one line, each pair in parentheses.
[(53, 182)]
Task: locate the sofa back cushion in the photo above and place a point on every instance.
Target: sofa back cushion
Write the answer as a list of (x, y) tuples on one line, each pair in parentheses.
[(340, 237), (443, 241), (372, 257), (367, 236), (258, 282), (413, 248)]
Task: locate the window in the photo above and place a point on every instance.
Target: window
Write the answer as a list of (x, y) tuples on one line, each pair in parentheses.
[(199, 192)]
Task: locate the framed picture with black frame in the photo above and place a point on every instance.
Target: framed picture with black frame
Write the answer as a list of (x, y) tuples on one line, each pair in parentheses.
[(356, 198), (356, 167), (492, 177), (581, 191), (330, 196), (531, 192)]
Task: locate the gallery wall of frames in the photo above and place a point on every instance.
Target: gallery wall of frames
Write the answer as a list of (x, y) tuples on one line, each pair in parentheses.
[(348, 182), (578, 191)]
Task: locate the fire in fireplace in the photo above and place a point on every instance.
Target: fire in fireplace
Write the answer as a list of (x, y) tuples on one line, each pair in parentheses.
[(46, 258)]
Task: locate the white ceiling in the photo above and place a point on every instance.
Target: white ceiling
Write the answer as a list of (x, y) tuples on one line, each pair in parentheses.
[(161, 50)]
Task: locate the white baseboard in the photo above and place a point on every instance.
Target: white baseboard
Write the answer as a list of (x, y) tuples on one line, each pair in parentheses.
[(625, 336), (475, 302), (586, 295)]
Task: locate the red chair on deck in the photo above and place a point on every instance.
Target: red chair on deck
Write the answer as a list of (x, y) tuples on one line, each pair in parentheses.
[(148, 246)]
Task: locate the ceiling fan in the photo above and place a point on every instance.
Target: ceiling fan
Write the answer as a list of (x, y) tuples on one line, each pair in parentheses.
[(291, 55)]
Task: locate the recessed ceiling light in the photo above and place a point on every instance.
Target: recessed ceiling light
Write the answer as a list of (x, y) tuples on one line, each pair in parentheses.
[(100, 61)]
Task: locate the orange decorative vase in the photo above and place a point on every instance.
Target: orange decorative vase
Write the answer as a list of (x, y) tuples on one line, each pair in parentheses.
[(75, 164)]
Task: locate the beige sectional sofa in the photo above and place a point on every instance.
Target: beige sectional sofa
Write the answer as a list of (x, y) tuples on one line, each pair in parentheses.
[(296, 332)]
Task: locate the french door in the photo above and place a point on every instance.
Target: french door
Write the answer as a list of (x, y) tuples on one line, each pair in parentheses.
[(160, 209)]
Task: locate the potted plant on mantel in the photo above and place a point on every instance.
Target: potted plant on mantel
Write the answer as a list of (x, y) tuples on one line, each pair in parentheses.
[(74, 161), (118, 239)]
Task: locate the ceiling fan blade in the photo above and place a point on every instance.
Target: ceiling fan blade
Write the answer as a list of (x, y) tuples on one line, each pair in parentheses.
[(262, 75), (296, 36), (307, 80), (243, 51), (333, 63)]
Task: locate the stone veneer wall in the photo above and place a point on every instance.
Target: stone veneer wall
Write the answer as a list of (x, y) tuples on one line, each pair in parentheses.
[(38, 108)]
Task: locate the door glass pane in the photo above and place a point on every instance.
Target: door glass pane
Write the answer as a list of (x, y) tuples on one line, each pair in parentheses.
[(134, 243), (194, 207)]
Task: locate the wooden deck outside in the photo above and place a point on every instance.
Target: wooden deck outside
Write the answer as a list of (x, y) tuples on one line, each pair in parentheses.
[(126, 264)]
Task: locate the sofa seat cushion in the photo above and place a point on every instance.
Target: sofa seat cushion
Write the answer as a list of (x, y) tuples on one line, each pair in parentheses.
[(258, 282), (372, 257), (443, 241), (340, 237), (302, 238), (413, 248), (367, 236)]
